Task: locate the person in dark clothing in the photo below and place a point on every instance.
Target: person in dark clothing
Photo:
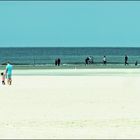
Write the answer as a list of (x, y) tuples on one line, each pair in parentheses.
[(136, 63), (126, 60), (87, 61), (59, 61), (56, 62)]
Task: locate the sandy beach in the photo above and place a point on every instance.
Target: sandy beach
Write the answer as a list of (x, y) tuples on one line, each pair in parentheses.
[(77, 103)]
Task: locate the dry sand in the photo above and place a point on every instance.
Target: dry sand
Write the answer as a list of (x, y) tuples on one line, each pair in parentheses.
[(103, 105)]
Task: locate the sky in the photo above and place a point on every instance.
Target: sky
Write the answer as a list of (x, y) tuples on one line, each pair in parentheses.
[(70, 24)]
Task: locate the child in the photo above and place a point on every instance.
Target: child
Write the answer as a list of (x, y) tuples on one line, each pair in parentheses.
[(3, 78)]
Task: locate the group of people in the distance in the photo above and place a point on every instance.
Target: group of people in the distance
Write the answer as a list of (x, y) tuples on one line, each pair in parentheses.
[(7, 74), (89, 60), (57, 62)]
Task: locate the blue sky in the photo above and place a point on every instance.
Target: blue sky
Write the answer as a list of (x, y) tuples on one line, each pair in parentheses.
[(69, 24)]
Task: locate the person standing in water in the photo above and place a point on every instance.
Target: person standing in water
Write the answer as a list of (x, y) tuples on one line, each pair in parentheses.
[(58, 61), (126, 60), (104, 60), (136, 63)]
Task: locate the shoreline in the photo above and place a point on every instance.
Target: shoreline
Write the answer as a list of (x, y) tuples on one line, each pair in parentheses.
[(91, 66)]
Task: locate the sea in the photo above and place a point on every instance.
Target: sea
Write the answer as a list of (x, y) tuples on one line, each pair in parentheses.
[(45, 56)]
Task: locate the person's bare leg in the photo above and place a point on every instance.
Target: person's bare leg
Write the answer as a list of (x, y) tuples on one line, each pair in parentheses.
[(10, 81)]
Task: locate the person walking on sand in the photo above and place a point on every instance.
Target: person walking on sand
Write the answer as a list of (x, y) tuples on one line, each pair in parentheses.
[(9, 69), (3, 78)]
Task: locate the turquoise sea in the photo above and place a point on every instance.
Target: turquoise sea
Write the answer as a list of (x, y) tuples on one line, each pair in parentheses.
[(72, 56)]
